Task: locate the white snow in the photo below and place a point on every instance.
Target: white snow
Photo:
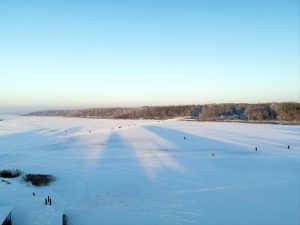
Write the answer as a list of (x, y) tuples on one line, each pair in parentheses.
[(146, 173)]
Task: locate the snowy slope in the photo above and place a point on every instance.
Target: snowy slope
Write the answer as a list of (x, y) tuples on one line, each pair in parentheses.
[(144, 172)]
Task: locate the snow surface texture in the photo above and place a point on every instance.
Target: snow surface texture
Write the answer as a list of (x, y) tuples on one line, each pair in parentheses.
[(145, 172)]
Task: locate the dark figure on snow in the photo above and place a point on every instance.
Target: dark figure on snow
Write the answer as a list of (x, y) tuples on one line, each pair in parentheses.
[(45, 201), (50, 201), (255, 148), (48, 198), (184, 138)]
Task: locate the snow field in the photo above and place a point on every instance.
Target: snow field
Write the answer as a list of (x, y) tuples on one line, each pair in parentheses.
[(145, 172)]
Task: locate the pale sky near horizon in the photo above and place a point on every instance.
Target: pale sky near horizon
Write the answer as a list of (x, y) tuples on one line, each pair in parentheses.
[(63, 54)]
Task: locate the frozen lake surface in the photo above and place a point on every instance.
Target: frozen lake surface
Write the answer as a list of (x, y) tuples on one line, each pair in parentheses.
[(146, 172)]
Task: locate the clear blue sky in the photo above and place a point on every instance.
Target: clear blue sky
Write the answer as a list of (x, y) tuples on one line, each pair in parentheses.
[(76, 54)]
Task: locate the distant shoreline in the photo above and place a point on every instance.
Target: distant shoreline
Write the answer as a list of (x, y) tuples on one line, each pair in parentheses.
[(249, 121), (269, 113), (295, 123)]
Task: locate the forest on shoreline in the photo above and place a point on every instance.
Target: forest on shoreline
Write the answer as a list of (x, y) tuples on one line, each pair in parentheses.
[(268, 112)]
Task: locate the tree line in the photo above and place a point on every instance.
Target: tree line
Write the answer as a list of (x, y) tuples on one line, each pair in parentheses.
[(289, 111), (258, 112)]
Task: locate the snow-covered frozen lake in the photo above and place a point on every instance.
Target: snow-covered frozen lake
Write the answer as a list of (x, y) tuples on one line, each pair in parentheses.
[(145, 172)]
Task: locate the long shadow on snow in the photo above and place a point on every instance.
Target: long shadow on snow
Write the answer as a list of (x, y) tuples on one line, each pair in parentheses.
[(37, 138), (61, 131), (240, 185), (253, 138), (118, 165), (115, 187), (205, 146), (32, 146), (195, 143)]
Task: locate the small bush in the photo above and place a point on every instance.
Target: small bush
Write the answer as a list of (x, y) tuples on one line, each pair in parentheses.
[(39, 179), (10, 173)]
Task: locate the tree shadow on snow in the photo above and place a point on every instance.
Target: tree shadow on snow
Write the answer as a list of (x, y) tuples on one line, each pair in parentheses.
[(187, 142), (118, 171), (118, 189), (32, 146)]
